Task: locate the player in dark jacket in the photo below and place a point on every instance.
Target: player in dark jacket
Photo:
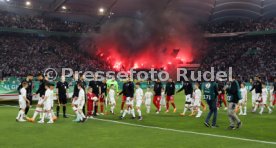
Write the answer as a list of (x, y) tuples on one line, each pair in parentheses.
[(41, 89), (157, 95), (170, 91), (129, 93), (129, 89), (188, 90), (257, 86), (96, 90), (77, 81), (124, 96), (210, 92), (103, 95), (233, 97)]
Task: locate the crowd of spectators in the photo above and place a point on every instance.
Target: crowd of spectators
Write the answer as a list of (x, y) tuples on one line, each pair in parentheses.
[(8, 19), (247, 56), (21, 55), (241, 26), (12, 20)]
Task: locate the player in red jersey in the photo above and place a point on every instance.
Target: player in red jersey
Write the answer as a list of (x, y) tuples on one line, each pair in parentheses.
[(90, 102)]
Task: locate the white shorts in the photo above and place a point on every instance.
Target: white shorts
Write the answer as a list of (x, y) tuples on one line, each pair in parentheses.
[(75, 102), (253, 97), (40, 101), (22, 104), (271, 98), (242, 101), (264, 101), (51, 103), (112, 101), (258, 97), (188, 98), (163, 101), (138, 103), (196, 103), (47, 106), (148, 102), (81, 104), (192, 101), (128, 101)]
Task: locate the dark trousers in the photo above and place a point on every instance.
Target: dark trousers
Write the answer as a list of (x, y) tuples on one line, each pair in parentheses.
[(95, 109), (30, 98), (212, 111), (83, 109)]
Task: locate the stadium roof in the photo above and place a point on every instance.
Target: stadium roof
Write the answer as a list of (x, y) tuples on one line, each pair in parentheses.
[(212, 10)]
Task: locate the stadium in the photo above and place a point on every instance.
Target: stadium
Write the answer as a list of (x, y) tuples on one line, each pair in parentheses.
[(138, 73)]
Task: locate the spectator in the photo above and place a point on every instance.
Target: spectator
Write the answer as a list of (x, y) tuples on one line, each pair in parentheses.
[(21, 55)]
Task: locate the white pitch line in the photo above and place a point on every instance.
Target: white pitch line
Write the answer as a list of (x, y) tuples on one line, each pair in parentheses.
[(188, 132), (174, 130)]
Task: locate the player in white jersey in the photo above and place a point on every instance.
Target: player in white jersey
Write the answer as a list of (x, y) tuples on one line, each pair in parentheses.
[(253, 97), (52, 105), (196, 101), (78, 104), (81, 102), (23, 102), (111, 96), (138, 96), (163, 99), (47, 104), (263, 102), (243, 101), (148, 95)]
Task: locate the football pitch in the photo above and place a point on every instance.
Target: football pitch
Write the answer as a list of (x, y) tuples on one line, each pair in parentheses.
[(162, 130)]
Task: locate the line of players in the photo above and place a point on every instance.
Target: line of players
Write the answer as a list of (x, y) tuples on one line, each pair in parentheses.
[(132, 93), (100, 92), (96, 90)]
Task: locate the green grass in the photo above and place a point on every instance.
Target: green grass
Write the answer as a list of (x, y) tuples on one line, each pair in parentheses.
[(96, 133)]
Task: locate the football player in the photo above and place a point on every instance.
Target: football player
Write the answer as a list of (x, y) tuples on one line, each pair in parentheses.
[(22, 102), (148, 97), (139, 99)]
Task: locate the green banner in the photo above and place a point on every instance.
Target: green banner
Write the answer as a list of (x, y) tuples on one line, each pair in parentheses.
[(9, 85)]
